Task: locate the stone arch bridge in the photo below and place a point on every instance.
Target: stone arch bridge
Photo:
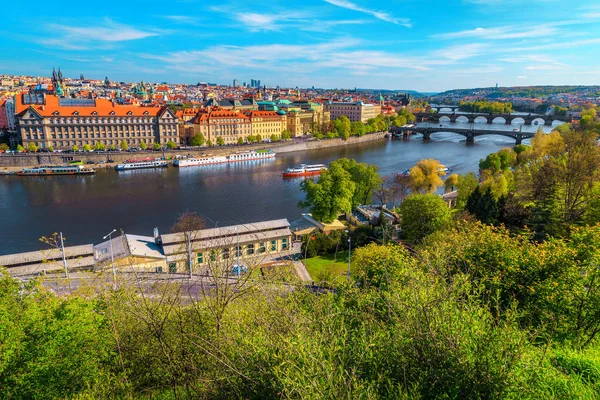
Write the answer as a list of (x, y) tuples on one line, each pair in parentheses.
[(507, 119), (470, 134)]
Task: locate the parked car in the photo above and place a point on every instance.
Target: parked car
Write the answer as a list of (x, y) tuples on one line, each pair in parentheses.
[(239, 269), (110, 161), (101, 162), (90, 162)]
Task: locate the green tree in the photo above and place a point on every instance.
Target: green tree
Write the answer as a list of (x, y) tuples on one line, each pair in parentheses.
[(258, 138), (171, 145), (156, 146), (87, 147), (209, 143), (143, 146), (331, 195), (113, 147), (100, 146), (342, 127), (4, 147), (124, 145), (365, 177), (32, 147), (20, 148), (380, 266), (220, 141), (484, 206), (422, 215), (197, 140), (357, 128), (75, 148), (467, 183), (240, 140), (286, 135), (51, 148)]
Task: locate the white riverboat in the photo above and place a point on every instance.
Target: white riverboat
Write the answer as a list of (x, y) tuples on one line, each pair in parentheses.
[(141, 164), (56, 170), (234, 157)]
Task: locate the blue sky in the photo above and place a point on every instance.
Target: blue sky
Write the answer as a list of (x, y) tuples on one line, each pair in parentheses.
[(411, 44)]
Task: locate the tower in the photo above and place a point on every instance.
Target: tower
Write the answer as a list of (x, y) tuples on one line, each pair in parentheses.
[(57, 82)]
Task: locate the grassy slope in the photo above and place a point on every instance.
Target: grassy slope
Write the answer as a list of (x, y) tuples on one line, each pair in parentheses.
[(319, 265)]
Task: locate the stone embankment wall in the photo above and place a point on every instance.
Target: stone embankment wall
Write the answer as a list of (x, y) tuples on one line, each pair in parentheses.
[(37, 159)]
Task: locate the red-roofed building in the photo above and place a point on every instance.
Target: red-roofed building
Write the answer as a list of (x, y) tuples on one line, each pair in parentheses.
[(266, 123), (215, 122), (49, 121)]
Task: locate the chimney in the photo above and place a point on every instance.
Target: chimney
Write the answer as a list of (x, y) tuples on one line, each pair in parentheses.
[(157, 237)]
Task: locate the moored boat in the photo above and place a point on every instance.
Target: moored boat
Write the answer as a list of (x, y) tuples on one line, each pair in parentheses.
[(444, 169), (234, 157), (141, 164), (57, 170), (304, 170)]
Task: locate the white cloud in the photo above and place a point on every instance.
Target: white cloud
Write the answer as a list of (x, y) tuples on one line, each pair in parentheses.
[(384, 16), (521, 77), (504, 32), (69, 37), (544, 67), (110, 32), (528, 58), (183, 19), (461, 52)]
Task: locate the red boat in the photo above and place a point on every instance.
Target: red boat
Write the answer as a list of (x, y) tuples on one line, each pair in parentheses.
[(304, 170)]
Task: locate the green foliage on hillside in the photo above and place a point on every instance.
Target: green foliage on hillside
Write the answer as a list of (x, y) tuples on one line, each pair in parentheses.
[(486, 107), (471, 312)]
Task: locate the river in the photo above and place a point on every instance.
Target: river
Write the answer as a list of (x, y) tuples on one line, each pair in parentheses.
[(85, 208)]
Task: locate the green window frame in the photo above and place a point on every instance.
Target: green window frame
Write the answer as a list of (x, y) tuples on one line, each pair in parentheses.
[(238, 251), (200, 258), (213, 255), (273, 245), (250, 249), (283, 243), (172, 268), (262, 247)]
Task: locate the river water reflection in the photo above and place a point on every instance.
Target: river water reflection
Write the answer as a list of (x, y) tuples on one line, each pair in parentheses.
[(85, 208)]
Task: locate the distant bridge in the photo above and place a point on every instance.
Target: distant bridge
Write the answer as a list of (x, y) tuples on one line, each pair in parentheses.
[(439, 107), (507, 119), (470, 134)]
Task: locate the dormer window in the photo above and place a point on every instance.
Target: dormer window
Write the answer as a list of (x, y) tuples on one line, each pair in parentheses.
[(55, 113), (75, 112), (94, 113), (129, 113), (146, 113), (112, 113)]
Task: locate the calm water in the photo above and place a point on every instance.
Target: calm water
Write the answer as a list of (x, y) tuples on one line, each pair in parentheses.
[(85, 208)]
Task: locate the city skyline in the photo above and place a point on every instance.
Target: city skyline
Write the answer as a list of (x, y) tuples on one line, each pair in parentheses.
[(324, 43)]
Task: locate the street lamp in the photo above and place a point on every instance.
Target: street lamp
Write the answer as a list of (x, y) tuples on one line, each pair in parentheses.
[(349, 251), (112, 257)]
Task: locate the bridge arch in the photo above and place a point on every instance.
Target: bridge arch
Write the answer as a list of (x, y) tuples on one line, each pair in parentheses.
[(538, 121), (462, 120), (517, 121), (445, 120), (446, 110), (481, 120), (499, 120)]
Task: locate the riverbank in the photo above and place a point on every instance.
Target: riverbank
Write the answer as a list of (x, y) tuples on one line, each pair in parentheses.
[(16, 162)]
